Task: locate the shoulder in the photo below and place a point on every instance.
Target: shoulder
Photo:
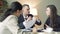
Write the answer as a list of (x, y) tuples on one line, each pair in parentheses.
[(47, 21), (58, 18), (20, 16), (11, 17)]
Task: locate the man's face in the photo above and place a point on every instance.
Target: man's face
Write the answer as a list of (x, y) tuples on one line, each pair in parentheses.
[(26, 10)]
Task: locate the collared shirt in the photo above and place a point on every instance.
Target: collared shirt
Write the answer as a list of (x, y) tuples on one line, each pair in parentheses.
[(25, 17)]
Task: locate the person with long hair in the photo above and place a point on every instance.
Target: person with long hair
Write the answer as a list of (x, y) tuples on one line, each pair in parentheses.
[(53, 18), (10, 18)]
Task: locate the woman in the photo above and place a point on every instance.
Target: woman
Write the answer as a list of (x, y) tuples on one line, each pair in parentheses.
[(53, 18), (10, 19)]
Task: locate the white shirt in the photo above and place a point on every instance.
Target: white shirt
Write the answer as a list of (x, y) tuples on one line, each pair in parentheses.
[(25, 17), (29, 24), (10, 23)]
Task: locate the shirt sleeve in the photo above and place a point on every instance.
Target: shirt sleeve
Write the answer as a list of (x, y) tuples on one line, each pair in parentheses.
[(12, 24)]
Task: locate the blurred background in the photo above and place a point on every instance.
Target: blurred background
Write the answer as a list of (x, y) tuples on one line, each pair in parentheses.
[(37, 7)]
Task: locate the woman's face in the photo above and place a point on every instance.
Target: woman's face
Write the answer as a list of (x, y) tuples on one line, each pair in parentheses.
[(48, 11), (19, 12)]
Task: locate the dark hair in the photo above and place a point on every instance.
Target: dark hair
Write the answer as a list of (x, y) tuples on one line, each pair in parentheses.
[(5, 14), (25, 5), (14, 7), (30, 15), (53, 14)]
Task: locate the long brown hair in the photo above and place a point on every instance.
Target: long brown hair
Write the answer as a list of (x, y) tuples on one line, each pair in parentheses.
[(53, 15)]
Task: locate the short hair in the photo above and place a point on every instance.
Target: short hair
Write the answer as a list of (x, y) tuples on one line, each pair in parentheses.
[(25, 5), (30, 15)]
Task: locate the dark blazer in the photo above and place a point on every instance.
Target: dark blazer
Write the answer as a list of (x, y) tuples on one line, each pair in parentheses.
[(21, 20), (57, 27)]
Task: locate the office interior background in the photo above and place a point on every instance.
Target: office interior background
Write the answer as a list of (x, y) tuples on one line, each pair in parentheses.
[(39, 6)]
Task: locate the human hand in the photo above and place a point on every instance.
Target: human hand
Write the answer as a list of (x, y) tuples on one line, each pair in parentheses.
[(29, 18)]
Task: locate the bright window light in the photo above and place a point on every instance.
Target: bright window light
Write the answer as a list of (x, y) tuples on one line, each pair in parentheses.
[(33, 11)]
